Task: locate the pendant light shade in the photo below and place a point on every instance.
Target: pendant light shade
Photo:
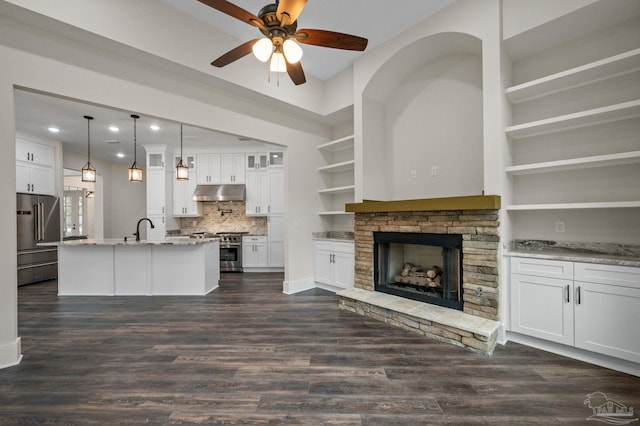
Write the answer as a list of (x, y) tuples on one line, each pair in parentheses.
[(135, 172), (182, 171), (88, 172)]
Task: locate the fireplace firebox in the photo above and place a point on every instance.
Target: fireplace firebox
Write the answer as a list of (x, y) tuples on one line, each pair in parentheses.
[(419, 266)]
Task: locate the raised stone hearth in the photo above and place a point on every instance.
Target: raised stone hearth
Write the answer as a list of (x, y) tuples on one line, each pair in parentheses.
[(476, 219)]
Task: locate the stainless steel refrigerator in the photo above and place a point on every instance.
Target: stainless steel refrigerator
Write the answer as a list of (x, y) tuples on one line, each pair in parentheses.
[(38, 222)]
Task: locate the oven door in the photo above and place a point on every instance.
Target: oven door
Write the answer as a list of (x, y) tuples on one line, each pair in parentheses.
[(230, 257)]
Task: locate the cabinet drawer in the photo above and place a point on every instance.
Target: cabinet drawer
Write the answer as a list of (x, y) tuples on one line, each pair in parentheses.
[(323, 245), (344, 247), (542, 267), (626, 276), (249, 240)]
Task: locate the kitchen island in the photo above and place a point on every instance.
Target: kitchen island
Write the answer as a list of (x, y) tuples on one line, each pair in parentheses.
[(110, 267)]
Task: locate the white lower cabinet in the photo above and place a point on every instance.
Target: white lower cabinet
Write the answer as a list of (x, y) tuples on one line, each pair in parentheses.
[(255, 252), (607, 312), (334, 263), (593, 307)]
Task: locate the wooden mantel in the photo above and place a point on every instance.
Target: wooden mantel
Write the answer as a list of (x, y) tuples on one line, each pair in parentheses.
[(472, 202)]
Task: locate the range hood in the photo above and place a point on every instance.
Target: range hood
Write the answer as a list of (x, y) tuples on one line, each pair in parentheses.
[(227, 192)]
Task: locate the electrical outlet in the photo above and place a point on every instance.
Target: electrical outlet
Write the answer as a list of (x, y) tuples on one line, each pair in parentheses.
[(559, 226), (413, 174), (434, 170)]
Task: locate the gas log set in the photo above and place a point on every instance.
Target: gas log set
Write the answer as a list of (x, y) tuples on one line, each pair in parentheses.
[(418, 277)]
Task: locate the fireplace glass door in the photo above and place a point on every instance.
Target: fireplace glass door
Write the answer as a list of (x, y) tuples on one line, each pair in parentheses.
[(423, 267)]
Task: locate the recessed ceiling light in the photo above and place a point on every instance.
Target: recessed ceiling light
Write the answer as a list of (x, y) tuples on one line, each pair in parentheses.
[(120, 155), (154, 127), (54, 130), (114, 129)]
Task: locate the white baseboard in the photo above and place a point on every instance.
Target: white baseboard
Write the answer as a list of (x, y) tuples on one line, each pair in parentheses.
[(576, 353), (251, 269), (10, 353), (296, 286)]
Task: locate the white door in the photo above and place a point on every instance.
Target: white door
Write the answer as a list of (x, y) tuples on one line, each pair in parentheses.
[(276, 191), (344, 266), (542, 307), (606, 319), (324, 267), (156, 192)]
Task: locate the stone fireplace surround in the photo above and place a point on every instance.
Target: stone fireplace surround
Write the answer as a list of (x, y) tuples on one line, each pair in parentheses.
[(476, 218)]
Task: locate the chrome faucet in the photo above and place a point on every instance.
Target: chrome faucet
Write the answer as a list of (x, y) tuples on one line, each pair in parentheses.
[(137, 233)]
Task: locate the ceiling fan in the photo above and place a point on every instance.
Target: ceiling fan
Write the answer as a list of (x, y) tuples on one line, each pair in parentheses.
[(278, 23)]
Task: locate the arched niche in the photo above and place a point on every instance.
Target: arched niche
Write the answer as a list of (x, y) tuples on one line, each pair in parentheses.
[(422, 115)]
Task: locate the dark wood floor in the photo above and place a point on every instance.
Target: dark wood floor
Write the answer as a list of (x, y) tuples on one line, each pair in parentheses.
[(248, 354)]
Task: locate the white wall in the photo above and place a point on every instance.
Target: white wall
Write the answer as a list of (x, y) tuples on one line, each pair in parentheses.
[(522, 15), (434, 119), (466, 27)]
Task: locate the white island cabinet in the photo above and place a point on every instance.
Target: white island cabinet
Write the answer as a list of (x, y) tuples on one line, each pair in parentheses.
[(180, 266)]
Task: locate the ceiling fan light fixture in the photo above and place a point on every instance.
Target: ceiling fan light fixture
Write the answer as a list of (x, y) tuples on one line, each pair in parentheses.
[(292, 51), (262, 49), (278, 63)]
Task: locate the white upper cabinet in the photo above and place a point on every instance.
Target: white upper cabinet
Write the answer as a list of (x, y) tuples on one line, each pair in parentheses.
[(183, 204), (232, 166), (276, 158), (257, 203), (208, 170), (34, 152), (276, 192), (257, 161), (35, 171)]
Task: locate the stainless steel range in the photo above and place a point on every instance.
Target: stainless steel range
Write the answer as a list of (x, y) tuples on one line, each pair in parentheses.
[(230, 251)]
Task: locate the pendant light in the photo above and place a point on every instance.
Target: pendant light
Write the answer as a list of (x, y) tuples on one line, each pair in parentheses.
[(88, 172), (135, 172), (182, 171)]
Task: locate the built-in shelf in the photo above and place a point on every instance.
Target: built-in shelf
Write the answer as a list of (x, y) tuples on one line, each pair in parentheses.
[(338, 144), (334, 213), (338, 189), (589, 73), (344, 166), (590, 117), (575, 206), (576, 163)]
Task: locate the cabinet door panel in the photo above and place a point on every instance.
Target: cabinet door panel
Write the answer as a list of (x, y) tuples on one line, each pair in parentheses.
[(22, 177), (155, 192), (42, 179), (344, 265), (607, 318), (325, 270), (542, 307), (276, 191)]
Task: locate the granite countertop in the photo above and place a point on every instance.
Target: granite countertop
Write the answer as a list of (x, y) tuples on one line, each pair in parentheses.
[(170, 241), (334, 236), (600, 253)]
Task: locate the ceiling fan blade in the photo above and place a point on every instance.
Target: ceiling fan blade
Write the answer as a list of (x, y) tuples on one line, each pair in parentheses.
[(331, 39), (234, 11), (292, 8), (296, 73), (234, 54)]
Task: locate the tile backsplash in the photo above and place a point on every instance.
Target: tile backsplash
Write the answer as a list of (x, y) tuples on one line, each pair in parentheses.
[(227, 216)]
